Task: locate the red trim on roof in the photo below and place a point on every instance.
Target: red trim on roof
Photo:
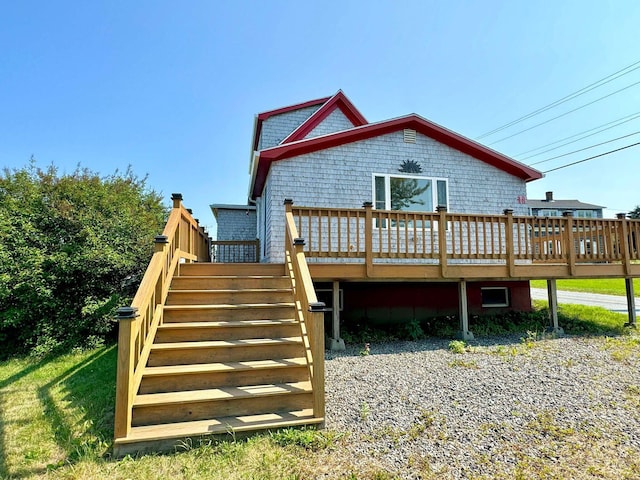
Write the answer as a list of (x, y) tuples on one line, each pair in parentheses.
[(412, 121), (265, 115), (339, 100)]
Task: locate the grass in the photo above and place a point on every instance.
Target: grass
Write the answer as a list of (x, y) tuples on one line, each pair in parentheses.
[(56, 422), (585, 320), (610, 286)]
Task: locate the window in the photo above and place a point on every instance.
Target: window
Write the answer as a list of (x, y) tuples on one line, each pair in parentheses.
[(585, 214), (495, 296), (549, 213), (409, 193)]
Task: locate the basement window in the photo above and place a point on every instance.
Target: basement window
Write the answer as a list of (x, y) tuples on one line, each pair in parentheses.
[(495, 296)]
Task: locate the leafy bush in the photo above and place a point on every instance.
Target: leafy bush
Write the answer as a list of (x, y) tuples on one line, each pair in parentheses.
[(72, 248)]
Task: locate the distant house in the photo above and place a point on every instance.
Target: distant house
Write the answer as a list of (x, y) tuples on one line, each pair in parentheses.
[(549, 207)]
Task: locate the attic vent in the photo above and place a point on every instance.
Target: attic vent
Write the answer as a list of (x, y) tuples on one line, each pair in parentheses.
[(409, 135)]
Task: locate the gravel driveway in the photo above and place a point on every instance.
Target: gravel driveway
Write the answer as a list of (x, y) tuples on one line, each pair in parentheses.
[(417, 410)]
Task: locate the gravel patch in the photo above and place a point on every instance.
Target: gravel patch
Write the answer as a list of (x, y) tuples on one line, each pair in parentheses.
[(416, 409)]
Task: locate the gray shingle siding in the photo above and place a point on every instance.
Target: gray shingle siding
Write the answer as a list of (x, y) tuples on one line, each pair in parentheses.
[(343, 176), (236, 224), (278, 127), (335, 122)]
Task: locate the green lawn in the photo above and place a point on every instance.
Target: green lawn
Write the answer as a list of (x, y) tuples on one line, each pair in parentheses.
[(611, 286), (56, 421)]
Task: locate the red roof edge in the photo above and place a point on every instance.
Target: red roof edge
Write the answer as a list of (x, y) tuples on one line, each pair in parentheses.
[(339, 100), (261, 117), (364, 132)]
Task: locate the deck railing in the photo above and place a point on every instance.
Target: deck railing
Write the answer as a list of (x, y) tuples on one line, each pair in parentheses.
[(442, 237), (235, 251), (182, 240), (310, 312)]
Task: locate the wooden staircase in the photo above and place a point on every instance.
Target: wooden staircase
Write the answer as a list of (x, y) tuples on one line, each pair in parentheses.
[(228, 357)]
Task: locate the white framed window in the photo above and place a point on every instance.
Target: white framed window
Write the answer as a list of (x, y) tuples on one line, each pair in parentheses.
[(495, 296), (585, 214), (409, 193), (549, 213)]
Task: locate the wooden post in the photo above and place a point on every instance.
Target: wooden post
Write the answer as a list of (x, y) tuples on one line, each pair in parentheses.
[(368, 237), (337, 343), (316, 312), (464, 334), (442, 240), (552, 293), (511, 254), (624, 242), (571, 248), (631, 303), (160, 243), (124, 377), (177, 203)]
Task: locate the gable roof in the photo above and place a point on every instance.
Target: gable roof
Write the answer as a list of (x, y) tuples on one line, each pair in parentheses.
[(338, 101), (562, 205), (261, 117), (413, 121)]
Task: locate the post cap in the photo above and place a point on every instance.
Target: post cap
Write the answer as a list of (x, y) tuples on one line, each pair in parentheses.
[(126, 313), (317, 307), (288, 201), (508, 211), (298, 241), (190, 211), (567, 214), (441, 208), (367, 204), (161, 239), (176, 196), (621, 216)]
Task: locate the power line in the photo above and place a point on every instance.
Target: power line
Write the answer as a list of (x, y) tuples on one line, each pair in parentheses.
[(588, 88), (585, 148), (566, 113), (591, 158), (624, 120)]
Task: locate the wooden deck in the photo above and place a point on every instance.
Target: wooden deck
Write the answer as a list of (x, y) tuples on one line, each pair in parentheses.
[(212, 348), (367, 244)]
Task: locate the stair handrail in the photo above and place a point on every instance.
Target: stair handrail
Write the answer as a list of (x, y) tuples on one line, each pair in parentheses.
[(310, 312), (182, 240)]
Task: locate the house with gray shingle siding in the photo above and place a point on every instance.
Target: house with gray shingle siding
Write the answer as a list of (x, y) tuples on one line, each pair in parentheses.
[(324, 153)]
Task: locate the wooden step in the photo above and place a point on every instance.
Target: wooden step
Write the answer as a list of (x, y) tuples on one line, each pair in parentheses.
[(237, 296), (218, 351), (229, 282), (225, 269), (226, 330), (211, 313), (183, 406), (163, 436), (211, 375)]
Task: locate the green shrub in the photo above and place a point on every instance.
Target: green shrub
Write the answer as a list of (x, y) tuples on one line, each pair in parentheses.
[(72, 248)]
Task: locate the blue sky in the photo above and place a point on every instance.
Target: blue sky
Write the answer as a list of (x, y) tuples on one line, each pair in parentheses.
[(171, 88)]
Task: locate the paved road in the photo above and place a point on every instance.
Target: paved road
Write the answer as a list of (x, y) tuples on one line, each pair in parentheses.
[(615, 303)]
